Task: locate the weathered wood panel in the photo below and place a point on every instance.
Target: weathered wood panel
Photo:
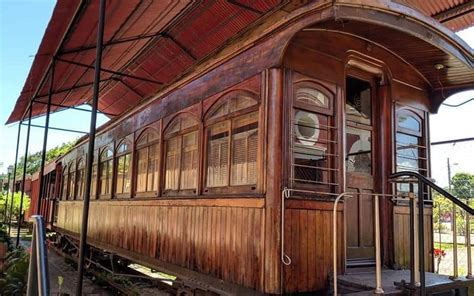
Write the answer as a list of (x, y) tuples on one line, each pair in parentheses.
[(401, 229), (308, 242), (223, 241)]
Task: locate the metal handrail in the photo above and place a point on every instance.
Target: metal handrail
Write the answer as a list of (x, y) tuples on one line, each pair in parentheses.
[(422, 180), (38, 275), (431, 184)]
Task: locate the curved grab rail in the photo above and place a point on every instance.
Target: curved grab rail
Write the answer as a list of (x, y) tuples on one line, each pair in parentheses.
[(431, 184)]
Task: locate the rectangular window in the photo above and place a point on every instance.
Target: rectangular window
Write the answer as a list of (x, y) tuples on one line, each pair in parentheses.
[(173, 160), (189, 161), (152, 171), (218, 155), (310, 147), (94, 181), (244, 150)]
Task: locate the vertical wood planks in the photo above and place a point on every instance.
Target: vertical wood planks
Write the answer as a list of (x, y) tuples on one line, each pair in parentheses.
[(223, 241)]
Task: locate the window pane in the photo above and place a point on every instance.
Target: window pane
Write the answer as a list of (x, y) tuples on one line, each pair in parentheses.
[(72, 183), (244, 150), (64, 189), (239, 102), (152, 173), (142, 155), (218, 155), (310, 146), (80, 184), (358, 101), (359, 150), (126, 173), (94, 181), (312, 97), (189, 161), (109, 176), (173, 149), (409, 122), (120, 170), (407, 153)]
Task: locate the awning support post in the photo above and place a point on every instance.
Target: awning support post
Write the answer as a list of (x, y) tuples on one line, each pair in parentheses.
[(45, 140), (90, 151), (30, 111), (14, 178)]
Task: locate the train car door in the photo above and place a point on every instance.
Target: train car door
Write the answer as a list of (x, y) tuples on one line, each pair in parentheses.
[(359, 134)]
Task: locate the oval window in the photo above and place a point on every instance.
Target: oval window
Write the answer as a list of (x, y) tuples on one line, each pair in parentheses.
[(307, 128)]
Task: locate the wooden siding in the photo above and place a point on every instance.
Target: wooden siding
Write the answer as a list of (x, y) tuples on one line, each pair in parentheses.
[(401, 229), (308, 242), (222, 241)]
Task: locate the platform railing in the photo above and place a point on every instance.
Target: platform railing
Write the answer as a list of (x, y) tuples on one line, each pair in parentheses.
[(38, 276), (377, 239), (455, 213), (417, 243)]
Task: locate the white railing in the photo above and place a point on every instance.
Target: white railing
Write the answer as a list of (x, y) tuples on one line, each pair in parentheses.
[(38, 276)]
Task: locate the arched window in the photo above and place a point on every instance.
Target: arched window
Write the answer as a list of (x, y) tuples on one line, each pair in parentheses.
[(71, 181), (147, 162), (80, 179), (105, 172), (64, 183), (122, 161), (311, 133), (409, 133), (232, 141), (181, 161)]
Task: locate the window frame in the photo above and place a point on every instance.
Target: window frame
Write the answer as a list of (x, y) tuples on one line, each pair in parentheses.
[(422, 161), (64, 183), (147, 145), (71, 186), (99, 173), (229, 119), (180, 133), (116, 157), (331, 126), (83, 181)]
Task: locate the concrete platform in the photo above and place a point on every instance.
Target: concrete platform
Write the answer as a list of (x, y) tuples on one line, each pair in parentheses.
[(364, 280)]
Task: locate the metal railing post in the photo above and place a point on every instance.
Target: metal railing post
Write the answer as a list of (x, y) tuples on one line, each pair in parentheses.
[(468, 246), (378, 257), (38, 275), (455, 241), (421, 240), (414, 273)]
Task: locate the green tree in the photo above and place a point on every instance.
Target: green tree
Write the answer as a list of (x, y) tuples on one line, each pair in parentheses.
[(462, 187), (34, 160), (16, 204)]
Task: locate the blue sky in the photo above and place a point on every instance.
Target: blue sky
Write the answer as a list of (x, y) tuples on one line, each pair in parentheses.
[(22, 25)]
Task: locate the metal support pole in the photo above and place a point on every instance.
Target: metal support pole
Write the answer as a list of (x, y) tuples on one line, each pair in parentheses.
[(14, 178), (6, 198), (45, 140), (421, 240), (90, 153), (24, 175), (468, 246), (378, 258)]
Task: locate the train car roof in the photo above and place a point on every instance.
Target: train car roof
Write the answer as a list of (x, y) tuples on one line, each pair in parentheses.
[(150, 45)]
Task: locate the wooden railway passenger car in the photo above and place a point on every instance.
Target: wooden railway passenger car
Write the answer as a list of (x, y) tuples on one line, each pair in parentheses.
[(319, 97)]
